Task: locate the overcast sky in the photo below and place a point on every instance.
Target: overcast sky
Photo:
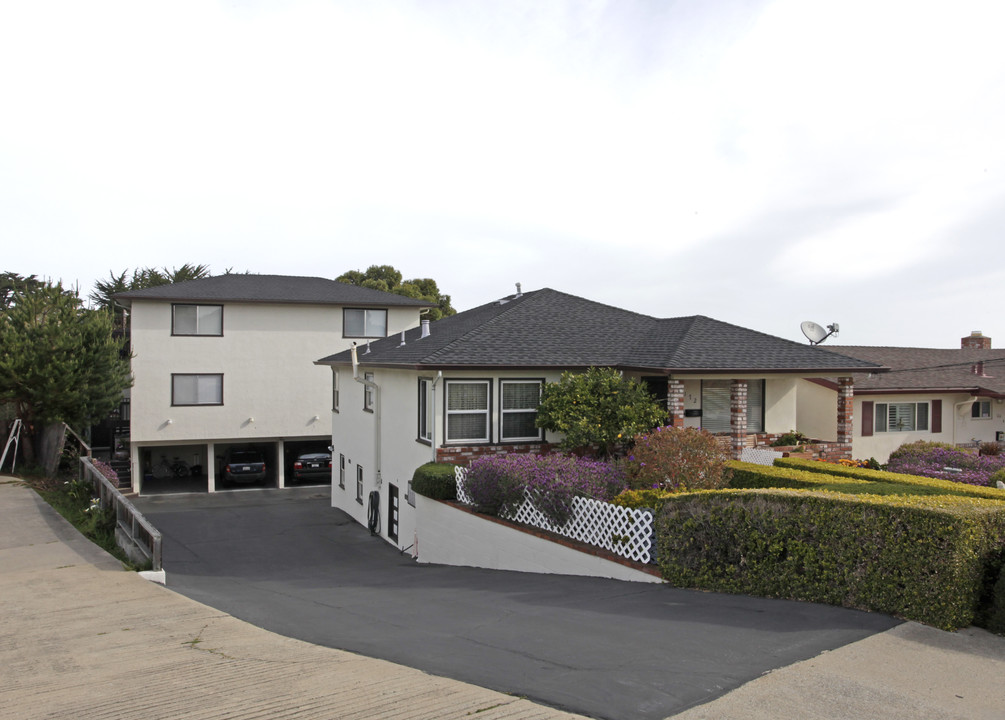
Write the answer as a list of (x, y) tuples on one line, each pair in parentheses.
[(760, 162)]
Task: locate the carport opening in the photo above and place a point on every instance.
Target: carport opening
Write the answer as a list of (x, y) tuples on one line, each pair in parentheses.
[(315, 463), (245, 460), (174, 469)]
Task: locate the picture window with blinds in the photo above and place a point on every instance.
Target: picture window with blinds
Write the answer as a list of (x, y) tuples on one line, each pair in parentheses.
[(901, 417), (715, 401)]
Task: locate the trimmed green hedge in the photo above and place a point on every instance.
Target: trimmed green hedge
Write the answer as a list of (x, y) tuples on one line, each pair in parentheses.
[(750, 476), (436, 481), (935, 484), (930, 559)]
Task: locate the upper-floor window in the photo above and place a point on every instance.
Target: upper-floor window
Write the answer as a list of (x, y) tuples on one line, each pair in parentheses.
[(197, 319), (193, 389), (468, 407), (901, 417), (519, 401), (335, 389), (364, 323), (981, 410)]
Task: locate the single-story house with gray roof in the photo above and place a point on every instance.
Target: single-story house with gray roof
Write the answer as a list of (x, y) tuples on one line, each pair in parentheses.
[(226, 363), (469, 385), (955, 396)]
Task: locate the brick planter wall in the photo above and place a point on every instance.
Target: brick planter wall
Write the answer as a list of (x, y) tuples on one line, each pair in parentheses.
[(463, 454)]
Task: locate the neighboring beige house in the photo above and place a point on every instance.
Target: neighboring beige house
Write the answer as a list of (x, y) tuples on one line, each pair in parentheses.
[(471, 387), (228, 362), (943, 395)]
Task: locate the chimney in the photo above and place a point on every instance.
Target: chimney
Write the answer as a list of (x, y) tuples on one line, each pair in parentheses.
[(425, 328), (975, 341)]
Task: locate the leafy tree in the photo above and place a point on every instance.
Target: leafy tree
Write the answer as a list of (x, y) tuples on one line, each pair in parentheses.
[(599, 407), (60, 364), (387, 279)]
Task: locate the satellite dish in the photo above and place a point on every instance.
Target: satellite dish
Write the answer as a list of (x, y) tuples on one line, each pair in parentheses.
[(815, 333)]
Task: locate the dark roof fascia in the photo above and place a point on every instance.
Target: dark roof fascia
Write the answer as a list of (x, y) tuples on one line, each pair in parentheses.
[(979, 392), (830, 371)]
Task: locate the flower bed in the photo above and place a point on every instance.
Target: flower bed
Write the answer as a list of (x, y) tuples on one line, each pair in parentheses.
[(937, 460)]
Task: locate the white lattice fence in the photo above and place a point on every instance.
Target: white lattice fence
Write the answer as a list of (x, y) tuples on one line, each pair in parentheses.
[(624, 531)]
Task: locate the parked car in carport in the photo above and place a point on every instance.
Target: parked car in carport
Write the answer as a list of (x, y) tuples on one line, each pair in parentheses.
[(313, 466), (244, 466)]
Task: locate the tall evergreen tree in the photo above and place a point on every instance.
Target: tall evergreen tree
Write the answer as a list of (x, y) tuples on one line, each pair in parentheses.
[(60, 364)]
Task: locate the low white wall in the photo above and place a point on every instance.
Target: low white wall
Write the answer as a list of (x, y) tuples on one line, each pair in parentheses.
[(448, 536)]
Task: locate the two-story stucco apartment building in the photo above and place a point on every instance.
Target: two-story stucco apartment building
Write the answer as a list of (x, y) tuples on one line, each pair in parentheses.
[(228, 362)]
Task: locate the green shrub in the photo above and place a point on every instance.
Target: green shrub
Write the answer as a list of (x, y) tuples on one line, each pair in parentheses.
[(921, 485), (436, 481), (792, 437), (921, 558), (644, 498), (678, 460), (994, 619), (997, 477)]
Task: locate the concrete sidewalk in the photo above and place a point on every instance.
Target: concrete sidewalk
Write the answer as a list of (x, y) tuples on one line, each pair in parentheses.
[(81, 638)]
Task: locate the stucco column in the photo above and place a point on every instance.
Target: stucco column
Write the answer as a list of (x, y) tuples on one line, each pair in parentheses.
[(675, 403), (135, 468), (738, 417), (846, 404), (281, 464), (210, 467)]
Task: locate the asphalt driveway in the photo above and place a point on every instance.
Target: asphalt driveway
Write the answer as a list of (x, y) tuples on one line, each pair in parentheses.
[(288, 562)]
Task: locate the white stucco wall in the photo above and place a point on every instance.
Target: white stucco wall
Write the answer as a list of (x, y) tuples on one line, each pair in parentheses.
[(272, 390), (780, 405), (449, 536), (354, 436), (816, 410), (957, 425)]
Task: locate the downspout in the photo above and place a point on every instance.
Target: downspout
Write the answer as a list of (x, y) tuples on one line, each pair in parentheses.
[(432, 430), (376, 410)]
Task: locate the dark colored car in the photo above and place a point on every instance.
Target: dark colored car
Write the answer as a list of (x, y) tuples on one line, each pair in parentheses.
[(244, 466), (313, 466)]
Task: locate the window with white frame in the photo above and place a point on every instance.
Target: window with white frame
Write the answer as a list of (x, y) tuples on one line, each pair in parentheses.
[(518, 403), (368, 392), (193, 389), (981, 410), (901, 417), (197, 320), (467, 412), (364, 323), (425, 423)]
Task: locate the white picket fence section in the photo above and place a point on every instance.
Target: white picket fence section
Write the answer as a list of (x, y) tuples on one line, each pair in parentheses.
[(624, 531)]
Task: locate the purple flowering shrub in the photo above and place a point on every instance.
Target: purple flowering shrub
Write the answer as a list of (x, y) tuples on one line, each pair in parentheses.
[(930, 459), (497, 483), (106, 470), (677, 460)]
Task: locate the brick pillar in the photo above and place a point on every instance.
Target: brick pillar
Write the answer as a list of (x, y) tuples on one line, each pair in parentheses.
[(675, 403), (738, 417), (846, 404)]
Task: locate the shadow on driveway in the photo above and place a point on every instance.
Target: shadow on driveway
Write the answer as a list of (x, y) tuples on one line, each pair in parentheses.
[(288, 562)]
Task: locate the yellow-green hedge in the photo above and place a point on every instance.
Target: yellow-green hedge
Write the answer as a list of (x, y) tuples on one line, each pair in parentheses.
[(932, 559), (868, 475)]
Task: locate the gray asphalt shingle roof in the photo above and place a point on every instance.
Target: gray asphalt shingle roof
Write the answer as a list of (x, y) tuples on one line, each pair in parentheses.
[(550, 329), (271, 289), (930, 369)]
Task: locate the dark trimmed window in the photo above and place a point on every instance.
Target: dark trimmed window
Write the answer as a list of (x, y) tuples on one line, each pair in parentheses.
[(425, 422), (364, 323), (518, 401), (901, 417), (197, 320), (192, 389)]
